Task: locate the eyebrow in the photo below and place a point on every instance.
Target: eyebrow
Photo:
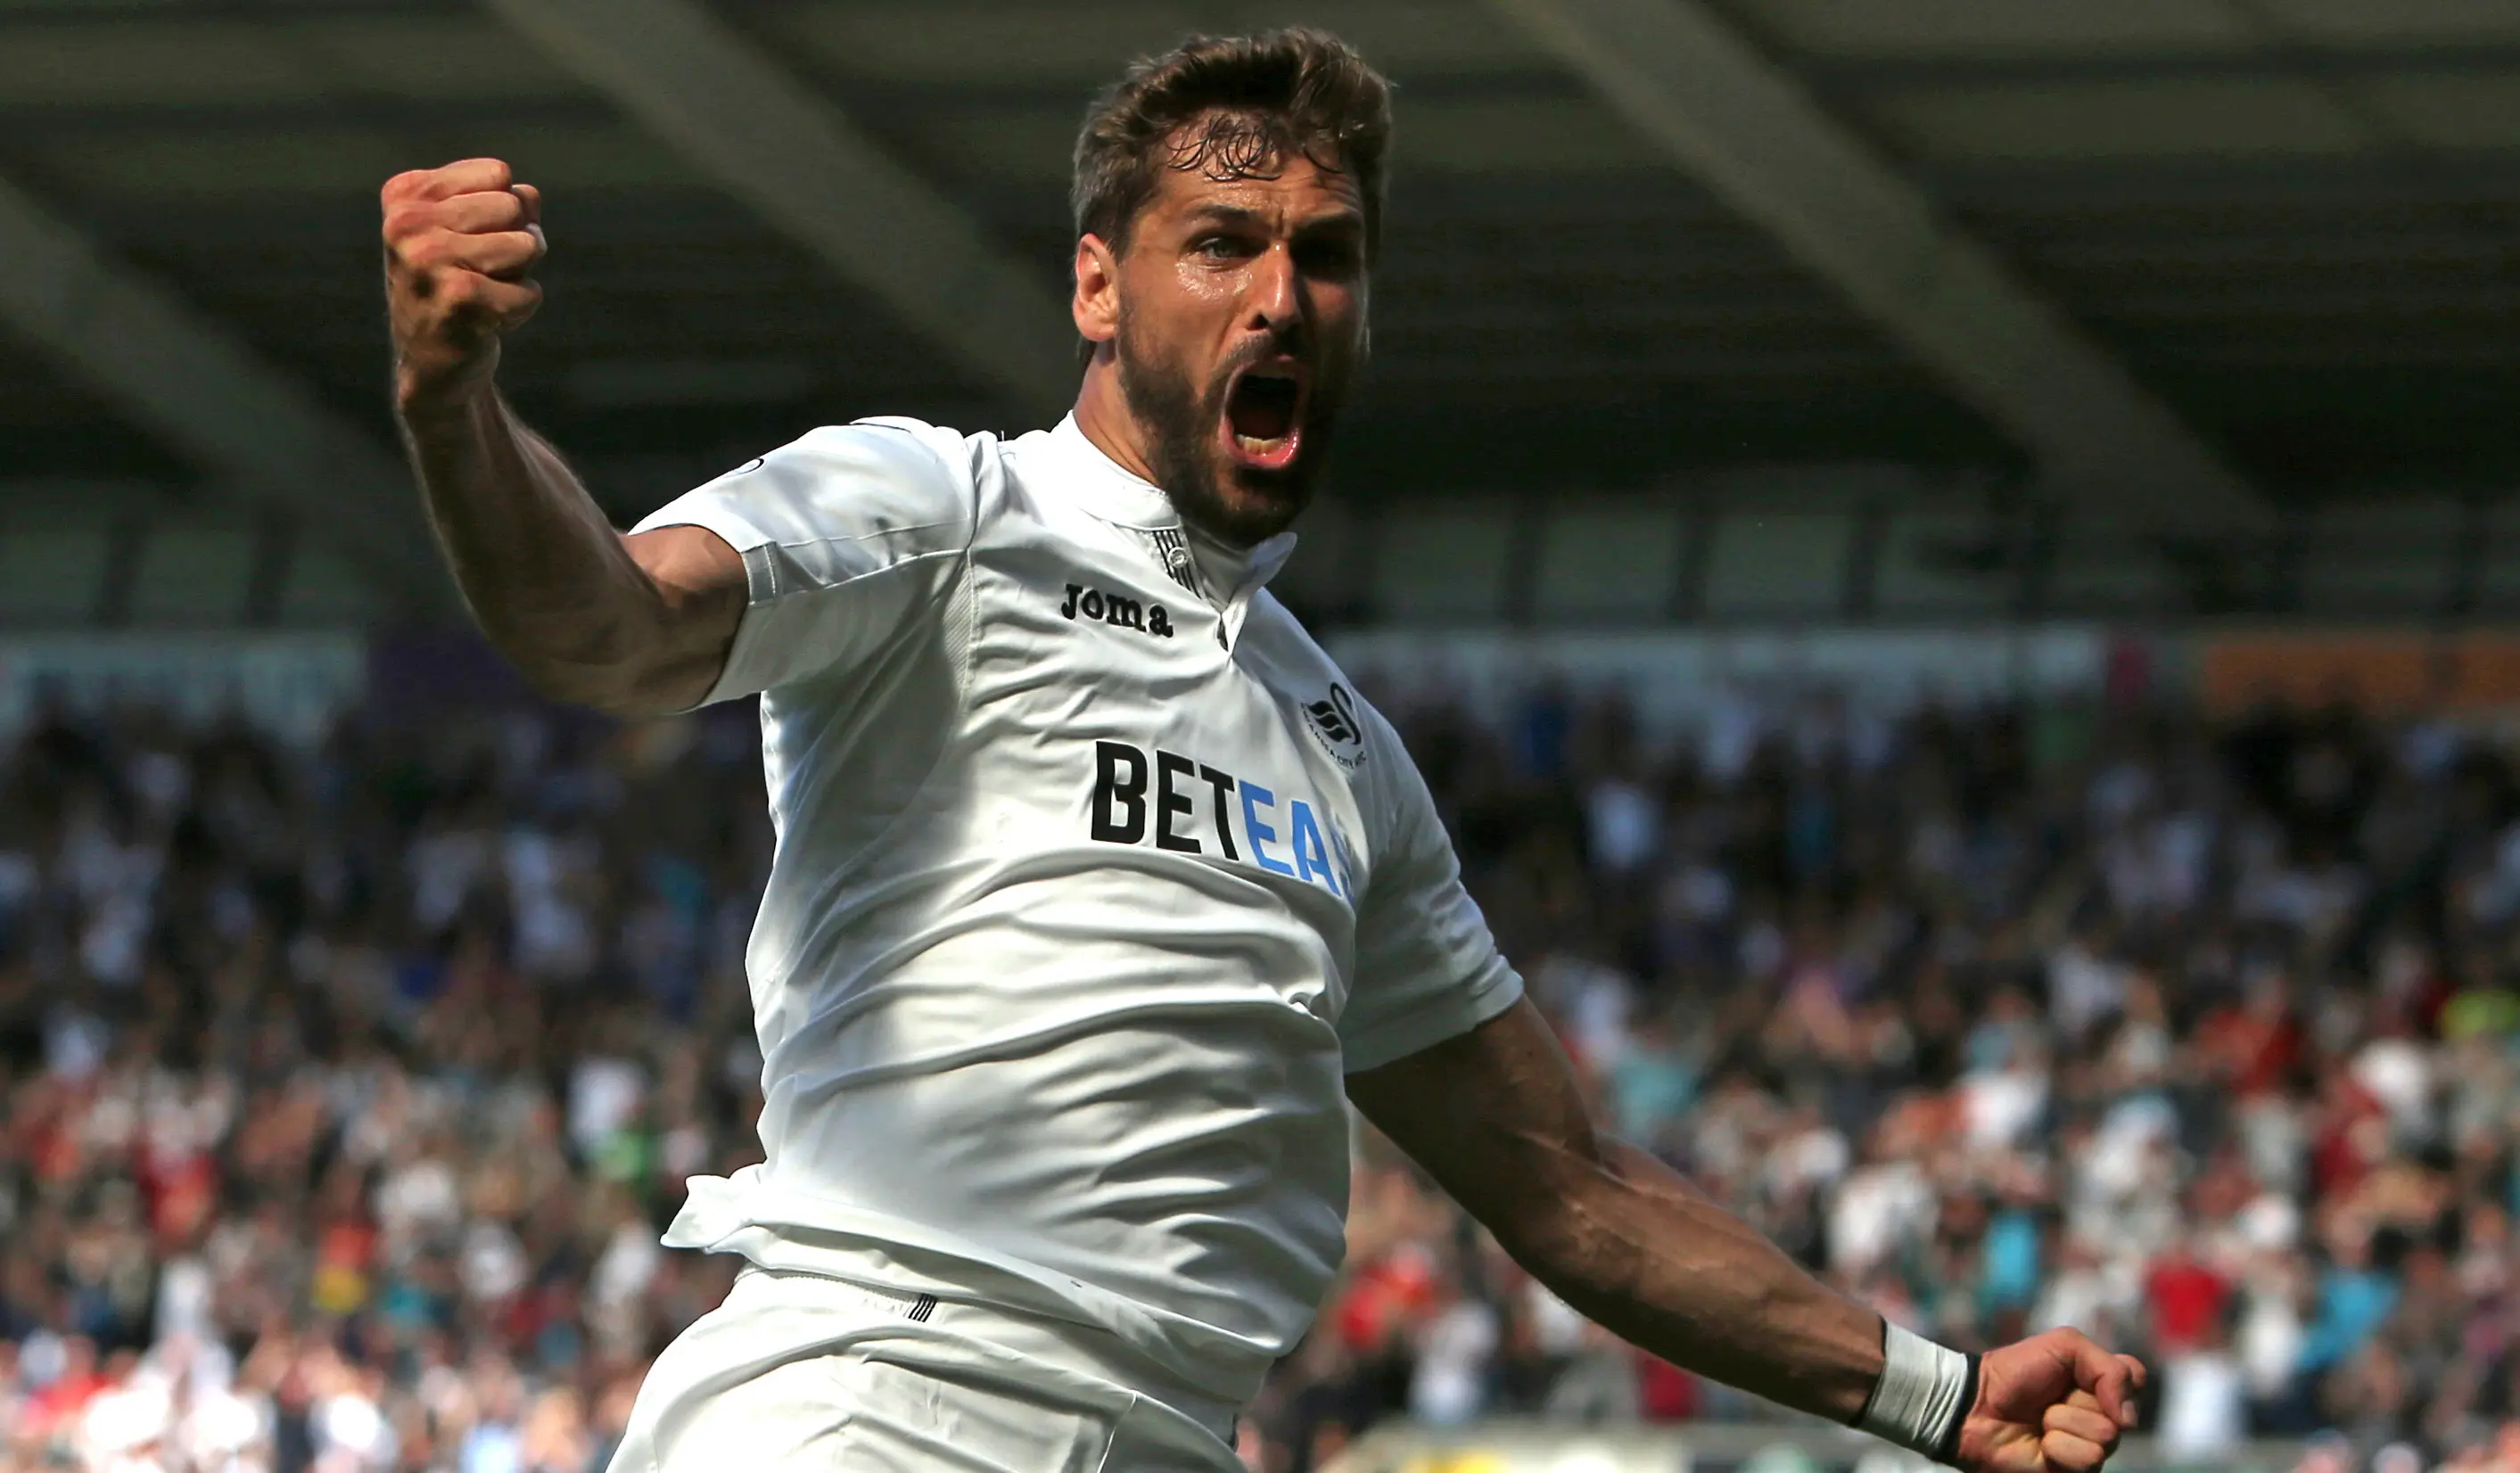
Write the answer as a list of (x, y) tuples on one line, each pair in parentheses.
[(1239, 214)]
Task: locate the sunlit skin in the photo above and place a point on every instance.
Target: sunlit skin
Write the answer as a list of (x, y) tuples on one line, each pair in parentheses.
[(1221, 276)]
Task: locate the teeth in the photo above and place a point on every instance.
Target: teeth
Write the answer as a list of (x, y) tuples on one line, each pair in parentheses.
[(1256, 445)]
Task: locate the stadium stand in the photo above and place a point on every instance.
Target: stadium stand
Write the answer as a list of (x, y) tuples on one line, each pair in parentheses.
[(347, 1085), (1876, 790)]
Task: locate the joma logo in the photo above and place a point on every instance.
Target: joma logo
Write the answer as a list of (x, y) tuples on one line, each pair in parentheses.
[(1116, 608)]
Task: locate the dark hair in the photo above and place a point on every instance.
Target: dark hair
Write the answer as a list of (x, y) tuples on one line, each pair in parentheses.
[(1264, 99)]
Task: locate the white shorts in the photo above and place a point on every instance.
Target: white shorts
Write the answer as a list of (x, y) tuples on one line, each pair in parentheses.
[(796, 1370)]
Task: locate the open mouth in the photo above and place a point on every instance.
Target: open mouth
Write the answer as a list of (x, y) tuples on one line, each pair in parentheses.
[(1264, 416)]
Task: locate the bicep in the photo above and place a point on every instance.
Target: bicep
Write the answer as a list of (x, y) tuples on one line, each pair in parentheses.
[(701, 595), (1494, 1114)]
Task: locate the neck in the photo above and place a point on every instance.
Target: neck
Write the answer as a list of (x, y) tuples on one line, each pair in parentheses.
[(1103, 413)]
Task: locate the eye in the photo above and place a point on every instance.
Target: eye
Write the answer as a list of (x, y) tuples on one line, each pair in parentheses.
[(1334, 259), (1220, 247)]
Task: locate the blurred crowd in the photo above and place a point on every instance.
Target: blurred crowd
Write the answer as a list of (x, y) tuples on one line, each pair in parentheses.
[(344, 1092), (344, 1088), (2200, 1037)]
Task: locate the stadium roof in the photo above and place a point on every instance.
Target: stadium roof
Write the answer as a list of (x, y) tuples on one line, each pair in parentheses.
[(2186, 261)]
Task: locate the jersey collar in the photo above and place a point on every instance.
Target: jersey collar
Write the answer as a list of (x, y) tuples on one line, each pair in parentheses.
[(1110, 491), (1105, 487)]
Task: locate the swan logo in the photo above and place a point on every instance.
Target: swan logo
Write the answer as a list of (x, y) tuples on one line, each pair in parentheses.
[(1335, 727)]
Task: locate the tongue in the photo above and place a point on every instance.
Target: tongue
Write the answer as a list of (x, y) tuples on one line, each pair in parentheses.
[(1262, 409)]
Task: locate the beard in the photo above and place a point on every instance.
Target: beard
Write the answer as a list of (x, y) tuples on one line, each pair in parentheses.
[(1238, 505)]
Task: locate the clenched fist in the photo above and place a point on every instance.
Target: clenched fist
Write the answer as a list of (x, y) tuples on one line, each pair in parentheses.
[(2051, 1403), (458, 240)]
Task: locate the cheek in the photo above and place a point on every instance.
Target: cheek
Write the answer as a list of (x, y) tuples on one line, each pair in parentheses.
[(1200, 290), (1341, 313), (1335, 303)]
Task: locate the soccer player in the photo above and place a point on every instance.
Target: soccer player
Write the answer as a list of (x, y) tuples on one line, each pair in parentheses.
[(1099, 895)]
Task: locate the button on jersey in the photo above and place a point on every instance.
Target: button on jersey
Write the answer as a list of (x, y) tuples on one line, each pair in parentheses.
[(1092, 879)]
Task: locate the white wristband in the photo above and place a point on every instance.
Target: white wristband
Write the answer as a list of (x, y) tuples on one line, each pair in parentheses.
[(1922, 1395)]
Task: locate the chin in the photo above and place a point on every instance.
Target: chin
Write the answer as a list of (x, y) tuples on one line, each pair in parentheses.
[(1245, 506), (1266, 502)]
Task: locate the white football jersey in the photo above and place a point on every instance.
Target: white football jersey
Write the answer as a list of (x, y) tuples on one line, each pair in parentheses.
[(1089, 886)]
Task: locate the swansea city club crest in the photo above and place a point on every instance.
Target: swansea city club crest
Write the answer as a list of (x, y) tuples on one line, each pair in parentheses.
[(1335, 727)]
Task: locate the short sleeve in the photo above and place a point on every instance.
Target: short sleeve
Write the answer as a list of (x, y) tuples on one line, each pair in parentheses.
[(1426, 966), (847, 534)]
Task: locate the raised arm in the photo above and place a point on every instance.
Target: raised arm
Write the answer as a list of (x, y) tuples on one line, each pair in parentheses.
[(631, 625), (1494, 1116)]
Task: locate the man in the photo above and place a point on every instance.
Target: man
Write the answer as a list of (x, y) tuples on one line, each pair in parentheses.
[(1099, 894)]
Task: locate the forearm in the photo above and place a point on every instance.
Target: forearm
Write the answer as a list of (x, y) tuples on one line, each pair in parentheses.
[(1495, 1115), (1634, 1247), (542, 569)]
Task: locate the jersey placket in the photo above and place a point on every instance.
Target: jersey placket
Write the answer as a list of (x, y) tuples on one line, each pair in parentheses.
[(1258, 566)]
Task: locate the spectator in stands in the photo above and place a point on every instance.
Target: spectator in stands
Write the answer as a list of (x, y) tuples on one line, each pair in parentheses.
[(343, 1091)]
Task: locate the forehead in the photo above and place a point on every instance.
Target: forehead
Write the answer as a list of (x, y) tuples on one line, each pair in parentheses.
[(1293, 187)]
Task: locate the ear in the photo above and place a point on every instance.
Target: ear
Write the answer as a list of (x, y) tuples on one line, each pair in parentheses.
[(1097, 304)]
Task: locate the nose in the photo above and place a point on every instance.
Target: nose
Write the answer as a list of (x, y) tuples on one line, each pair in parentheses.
[(1275, 295)]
